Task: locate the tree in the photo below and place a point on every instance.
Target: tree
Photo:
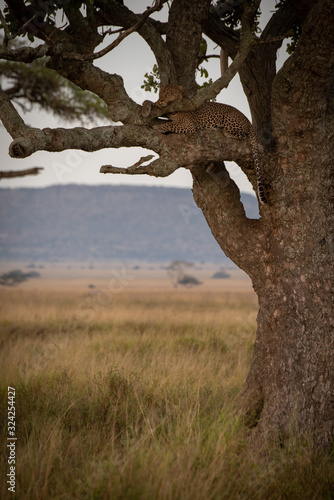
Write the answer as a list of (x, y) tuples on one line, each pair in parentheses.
[(288, 252), (177, 272), (16, 277)]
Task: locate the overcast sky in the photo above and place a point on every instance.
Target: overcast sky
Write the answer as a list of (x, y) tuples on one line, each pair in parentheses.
[(131, 59)]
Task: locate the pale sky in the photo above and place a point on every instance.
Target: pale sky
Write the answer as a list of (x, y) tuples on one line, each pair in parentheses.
[(131, 59)]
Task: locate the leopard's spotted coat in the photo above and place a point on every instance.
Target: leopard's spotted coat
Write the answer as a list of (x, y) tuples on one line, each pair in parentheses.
[(210, 115)]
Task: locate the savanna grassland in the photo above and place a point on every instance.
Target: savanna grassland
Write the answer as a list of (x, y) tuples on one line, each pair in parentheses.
[(132, 398)]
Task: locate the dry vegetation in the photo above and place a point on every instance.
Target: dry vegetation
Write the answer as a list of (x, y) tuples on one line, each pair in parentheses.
[(131, 396)]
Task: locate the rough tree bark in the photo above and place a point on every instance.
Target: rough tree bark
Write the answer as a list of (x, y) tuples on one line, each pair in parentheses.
[(288, 252), (292, 373)]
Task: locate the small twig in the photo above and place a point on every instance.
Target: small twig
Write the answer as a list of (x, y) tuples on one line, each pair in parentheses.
[(27, 23), (209, 57), (112, 32), (20, 173)]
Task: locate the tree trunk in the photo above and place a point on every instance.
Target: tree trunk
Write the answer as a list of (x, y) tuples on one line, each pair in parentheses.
[(290, 387), (289, 252), (289, 257)]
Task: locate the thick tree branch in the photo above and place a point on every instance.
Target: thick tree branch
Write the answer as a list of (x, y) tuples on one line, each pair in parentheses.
[(289, 94), (184, 33), (219, 198), (10, 118), (224, 36), (60, 139), (280, 23), (175, 150), (110, 87), (24, 54)]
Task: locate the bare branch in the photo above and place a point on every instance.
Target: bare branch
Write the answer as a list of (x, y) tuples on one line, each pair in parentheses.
[(24, 54), (110, 87), (85, 57), (115, 14), (108, 169), (161, 167), (247, 43), (223, 82), (10, 118), (20, 173), (186, 18)]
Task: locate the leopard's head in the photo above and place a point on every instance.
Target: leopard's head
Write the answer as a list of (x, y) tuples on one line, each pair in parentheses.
[(169, 93)]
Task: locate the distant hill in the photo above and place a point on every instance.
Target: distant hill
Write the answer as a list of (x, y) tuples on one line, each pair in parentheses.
[(87, 223)]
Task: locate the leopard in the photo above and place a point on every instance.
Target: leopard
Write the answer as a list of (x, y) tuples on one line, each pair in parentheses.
[(210, 115)]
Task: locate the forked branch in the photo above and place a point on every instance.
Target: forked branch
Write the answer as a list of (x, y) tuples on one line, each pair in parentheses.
[(161, 167), (90, 57)]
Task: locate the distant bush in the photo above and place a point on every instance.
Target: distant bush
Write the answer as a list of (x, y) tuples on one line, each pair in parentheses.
[(189, 281), (16, 277), (220, 275)]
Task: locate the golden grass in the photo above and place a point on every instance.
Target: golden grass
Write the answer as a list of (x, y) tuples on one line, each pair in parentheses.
[(130, 396)]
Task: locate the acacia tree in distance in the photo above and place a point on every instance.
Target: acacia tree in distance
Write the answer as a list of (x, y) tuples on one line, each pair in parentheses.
[(288, 252)]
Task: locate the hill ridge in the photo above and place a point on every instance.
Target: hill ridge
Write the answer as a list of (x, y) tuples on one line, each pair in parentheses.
[(86, 223)]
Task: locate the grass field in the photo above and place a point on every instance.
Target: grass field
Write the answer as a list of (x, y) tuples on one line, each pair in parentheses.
[(130, 396)]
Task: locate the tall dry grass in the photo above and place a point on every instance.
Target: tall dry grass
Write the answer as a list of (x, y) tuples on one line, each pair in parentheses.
[(131, 397)]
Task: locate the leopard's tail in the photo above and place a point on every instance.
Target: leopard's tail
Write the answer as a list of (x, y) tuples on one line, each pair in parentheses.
[(259, 180)]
